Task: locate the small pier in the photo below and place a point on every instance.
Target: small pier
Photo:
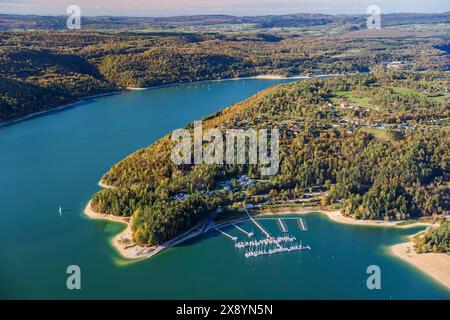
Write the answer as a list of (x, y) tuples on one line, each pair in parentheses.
[(248, 234), (282, 225), (258, 225), (226, 234), (273, 218), (302, 224)]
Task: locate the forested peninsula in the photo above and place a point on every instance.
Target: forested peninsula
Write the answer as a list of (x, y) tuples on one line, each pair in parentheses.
[(375, 146)]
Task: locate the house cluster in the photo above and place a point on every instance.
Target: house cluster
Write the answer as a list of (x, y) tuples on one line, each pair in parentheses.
[(224, 186), (243, 181), (181, 196), (346, 105), (291, 129), (396, 64)]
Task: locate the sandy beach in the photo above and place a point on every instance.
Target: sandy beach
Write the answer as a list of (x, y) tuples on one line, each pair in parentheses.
[(436, 265), (123, 241), (136, 88), (104, 185), (128, 250)]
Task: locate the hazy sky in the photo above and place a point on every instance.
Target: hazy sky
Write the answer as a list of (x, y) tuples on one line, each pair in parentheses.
[(233, 7)]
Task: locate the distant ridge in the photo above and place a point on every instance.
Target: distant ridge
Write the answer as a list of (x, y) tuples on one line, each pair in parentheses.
[(15, 21)]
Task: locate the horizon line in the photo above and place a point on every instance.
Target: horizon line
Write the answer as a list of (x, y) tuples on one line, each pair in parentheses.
[(215, 15)]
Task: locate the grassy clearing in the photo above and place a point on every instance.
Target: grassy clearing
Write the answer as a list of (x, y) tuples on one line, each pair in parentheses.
[(439, 27), (380, 134), (406, 91), (366, 102), (439, 97), (352, 98), (349, 53)]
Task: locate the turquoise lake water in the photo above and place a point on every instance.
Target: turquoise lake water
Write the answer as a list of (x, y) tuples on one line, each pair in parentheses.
[(57, 159)]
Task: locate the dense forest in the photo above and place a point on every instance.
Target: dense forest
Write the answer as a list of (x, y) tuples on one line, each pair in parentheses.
[(37, 80), (436, 240), (377, 145), (44, 69)]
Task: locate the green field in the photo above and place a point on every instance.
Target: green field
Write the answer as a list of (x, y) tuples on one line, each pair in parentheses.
[(352, 98), (440, 97), (380, 134), (407, 91), (440, 27), (367, 102)]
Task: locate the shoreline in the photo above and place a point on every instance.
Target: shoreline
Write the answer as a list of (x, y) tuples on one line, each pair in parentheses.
[(126, 251), (337, 216), (257, 77), (260, 77), (104, 185), (86, 99), (133, 251), (434, 265), (135, 89), (59, 108)]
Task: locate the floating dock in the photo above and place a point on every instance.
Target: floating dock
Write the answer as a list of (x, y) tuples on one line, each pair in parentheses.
[(257, 253), (248, 234), (302, 224), (226, 234), (282, 225), (274, 218), (258, 225), (264, 242)]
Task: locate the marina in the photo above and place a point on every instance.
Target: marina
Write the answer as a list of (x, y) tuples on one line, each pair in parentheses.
[(269, 245)]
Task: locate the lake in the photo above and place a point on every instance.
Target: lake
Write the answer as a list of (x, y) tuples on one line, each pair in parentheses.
[(57, 160)]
